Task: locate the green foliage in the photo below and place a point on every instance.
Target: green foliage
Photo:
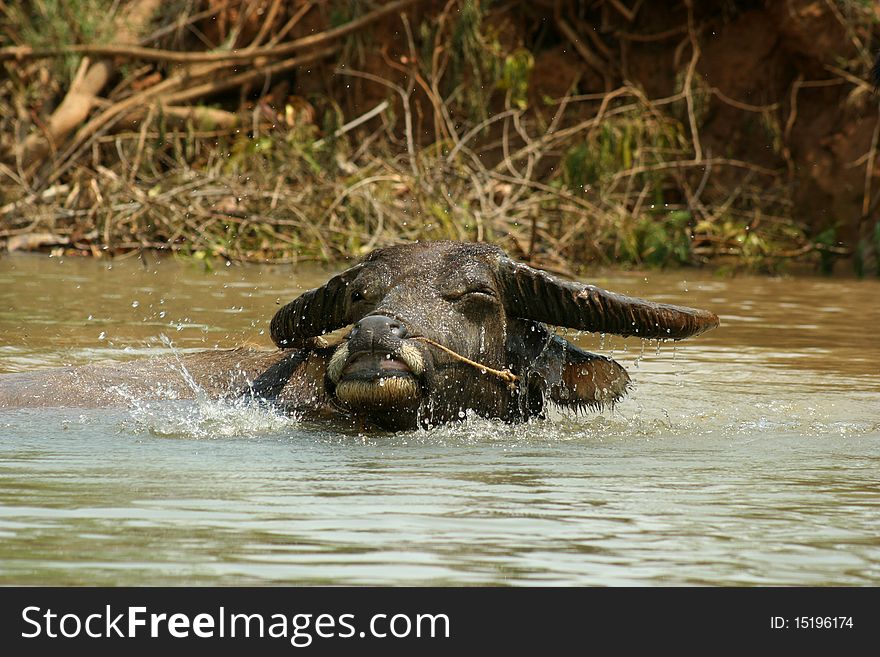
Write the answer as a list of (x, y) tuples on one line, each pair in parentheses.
[(865, 249), (476, 60), (580, 167), (859, 257), (515, 76), (60, 23), (617, 145), (292, 153), (658, 242), (876, 240), (773, 131), (588, 163), (827, 238)]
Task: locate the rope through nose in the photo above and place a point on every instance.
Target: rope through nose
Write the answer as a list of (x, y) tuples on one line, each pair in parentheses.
[(504, 375)]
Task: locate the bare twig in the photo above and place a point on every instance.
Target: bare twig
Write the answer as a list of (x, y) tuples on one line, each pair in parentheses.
[(869, 167), (863, 53), (849, 77), (624, 11), (354, 123), (234, 81), (593, 61), (407, 110), (247, 54), (689, 80)]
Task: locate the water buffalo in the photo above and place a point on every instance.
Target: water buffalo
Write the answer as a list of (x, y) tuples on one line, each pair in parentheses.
[(437, 329), (440, 328)]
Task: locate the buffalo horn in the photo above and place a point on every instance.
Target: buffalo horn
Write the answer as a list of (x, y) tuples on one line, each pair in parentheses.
[(533, 294), (314, 313)]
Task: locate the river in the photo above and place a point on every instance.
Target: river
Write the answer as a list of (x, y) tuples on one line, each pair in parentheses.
[(747, 456)]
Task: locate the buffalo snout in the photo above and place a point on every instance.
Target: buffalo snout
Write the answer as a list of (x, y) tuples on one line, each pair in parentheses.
[(376, 333)]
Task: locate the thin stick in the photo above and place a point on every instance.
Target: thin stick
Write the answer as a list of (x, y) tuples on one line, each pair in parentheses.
[(869, 168), (863, 52), (504, 375), (142, 139), (268, 21), (849, 77), (354, 123), (405, 95), (688, 84), (682, 164), (656, 36), (222, 84), (715, 91), (592, 60), (183, 21), (290, 24), (626, 12)]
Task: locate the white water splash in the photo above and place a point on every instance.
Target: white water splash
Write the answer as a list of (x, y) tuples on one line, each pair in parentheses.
[(205, 419), (202, 417)]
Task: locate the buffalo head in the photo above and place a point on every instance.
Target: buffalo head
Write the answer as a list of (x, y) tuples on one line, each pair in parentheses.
[(440, 328)]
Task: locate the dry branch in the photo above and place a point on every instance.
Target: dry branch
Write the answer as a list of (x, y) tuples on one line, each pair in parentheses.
[(243, 55), (83, 92), (593, 60)]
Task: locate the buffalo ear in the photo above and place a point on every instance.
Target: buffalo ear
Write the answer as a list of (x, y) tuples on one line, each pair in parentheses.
[(587, 379), (562, 372), (315, 312), (533, 294)]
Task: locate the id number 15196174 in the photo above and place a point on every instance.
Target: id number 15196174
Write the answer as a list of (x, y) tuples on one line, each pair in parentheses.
[(811, 622)]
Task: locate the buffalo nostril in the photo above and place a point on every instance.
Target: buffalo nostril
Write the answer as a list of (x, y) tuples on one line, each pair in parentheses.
[(373, 331)]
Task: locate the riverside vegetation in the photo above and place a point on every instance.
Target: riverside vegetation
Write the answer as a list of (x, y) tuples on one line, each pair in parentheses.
[(741, 134)]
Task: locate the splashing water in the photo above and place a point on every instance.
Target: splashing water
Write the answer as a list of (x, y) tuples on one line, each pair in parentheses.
[(202, 417), (207, 419)]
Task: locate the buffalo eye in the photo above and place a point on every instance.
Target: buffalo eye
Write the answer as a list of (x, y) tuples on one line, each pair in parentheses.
[(356, 296), (486, 293), (480, 293)]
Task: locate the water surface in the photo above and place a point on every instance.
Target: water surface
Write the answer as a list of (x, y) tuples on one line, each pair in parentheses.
[(747, 456)]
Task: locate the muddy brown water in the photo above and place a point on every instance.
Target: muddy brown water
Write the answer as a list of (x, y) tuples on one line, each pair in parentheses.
[(747, 456)]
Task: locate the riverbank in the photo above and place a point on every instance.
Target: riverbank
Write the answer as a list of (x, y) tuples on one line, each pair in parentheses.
[(740, 139)]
